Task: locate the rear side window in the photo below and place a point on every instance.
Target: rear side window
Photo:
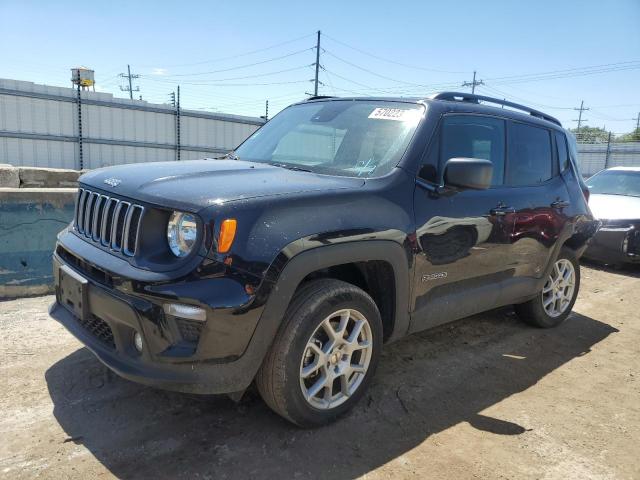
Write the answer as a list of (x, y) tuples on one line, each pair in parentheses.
[(474, 136), (563, 154), (530, 159)]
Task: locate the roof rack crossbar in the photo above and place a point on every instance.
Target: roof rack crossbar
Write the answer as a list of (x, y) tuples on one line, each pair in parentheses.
[(471, 97), (318, 97)]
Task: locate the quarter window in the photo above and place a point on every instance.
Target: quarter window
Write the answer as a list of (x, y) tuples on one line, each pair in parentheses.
[(563, 155), (474, 136), (529, 155)]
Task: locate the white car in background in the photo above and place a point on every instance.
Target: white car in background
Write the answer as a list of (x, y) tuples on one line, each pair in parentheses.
[(615, 201)]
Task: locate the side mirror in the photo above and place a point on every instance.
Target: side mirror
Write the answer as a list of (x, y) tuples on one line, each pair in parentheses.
[(468, 173)]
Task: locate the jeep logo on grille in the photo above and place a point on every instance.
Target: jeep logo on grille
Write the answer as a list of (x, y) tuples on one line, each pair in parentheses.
[(113, 182)]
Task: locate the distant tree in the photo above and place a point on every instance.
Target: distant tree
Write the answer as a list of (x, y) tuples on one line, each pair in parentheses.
[(591, 134), (630, 137)]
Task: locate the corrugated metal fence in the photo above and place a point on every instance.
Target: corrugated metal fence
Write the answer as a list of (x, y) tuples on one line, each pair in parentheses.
[(39, 127), (593, 157)]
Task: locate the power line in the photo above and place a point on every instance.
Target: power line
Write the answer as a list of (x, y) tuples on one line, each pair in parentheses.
[(387, 60), (245, 84), (213, 80), (565, 70), (193, 74), (369, 71), (231, 57)]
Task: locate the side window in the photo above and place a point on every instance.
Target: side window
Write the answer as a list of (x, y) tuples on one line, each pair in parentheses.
[(530, 159), (563, 154), (474, 137)]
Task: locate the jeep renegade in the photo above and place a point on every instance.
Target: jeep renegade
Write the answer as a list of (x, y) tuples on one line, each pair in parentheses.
[(338, 226)]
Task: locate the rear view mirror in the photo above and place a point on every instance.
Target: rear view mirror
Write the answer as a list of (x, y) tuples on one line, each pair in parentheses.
[(471, 173)]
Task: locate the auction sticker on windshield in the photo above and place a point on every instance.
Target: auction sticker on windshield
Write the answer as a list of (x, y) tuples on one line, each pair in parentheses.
[(399, 114)]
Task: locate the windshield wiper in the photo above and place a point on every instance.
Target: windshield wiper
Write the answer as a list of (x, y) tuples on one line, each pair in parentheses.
[(289, 166)]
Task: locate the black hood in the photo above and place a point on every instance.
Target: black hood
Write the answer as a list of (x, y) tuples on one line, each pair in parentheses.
[(195, 184)]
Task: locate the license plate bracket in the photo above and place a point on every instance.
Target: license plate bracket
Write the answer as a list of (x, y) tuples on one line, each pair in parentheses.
[(73, 292)]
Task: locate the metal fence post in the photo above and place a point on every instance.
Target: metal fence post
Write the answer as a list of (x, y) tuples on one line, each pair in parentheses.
[(606, 158), (178, 126), (79, 101)]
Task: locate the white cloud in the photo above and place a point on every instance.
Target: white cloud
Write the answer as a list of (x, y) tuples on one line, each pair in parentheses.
[(159, 71)]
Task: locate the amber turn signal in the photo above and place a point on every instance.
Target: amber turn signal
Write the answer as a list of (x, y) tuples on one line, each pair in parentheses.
[(227, 234)]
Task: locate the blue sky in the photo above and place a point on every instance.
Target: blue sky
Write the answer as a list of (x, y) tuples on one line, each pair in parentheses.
[(401, 47)]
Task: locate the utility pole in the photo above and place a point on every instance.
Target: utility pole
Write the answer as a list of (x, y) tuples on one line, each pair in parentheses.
[(315, 88), (266, 111), (606, 158), (130, 88), (473, 84), (637, 119), (580, 119)]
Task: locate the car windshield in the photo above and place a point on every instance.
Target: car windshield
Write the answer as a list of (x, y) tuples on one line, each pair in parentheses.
[(615, 182), (338, 137)]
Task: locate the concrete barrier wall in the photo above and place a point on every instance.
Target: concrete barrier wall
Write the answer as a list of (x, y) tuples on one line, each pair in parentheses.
[(30, 219)]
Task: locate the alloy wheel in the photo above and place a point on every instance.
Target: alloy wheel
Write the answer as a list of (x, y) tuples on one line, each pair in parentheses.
[(557, 292), (336, 359)]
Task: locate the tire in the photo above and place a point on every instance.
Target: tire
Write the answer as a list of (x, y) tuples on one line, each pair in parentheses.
[(302, 346), (534, 311)]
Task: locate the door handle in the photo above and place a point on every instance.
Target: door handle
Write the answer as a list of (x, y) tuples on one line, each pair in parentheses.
[(501, 211), (560, 204)]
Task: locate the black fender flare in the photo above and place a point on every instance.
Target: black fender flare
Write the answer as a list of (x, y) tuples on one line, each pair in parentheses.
[(306, 262)]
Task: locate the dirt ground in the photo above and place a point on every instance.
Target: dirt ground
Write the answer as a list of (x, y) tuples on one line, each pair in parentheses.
[(485, 397)]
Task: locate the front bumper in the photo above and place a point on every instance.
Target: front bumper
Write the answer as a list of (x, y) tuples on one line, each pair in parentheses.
[(220, 357), (616, 243)]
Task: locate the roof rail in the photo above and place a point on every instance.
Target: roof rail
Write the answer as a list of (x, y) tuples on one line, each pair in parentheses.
[(473, 98), (318, 97)]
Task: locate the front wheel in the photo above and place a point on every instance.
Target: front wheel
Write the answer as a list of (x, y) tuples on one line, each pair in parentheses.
[(324, 355), (554, 303)]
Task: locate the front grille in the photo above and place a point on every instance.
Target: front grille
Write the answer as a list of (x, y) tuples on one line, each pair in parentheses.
[(189, 330), (109, 221), (99, 329)]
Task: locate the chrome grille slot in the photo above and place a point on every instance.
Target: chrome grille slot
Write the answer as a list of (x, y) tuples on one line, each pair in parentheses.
[(119, 220), (108, 221), (88, 213)]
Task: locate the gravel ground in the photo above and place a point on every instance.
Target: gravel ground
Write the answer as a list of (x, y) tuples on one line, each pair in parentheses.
[(485, 397)]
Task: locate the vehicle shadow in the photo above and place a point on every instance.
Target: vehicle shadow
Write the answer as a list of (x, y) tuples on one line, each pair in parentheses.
[(425, 384)]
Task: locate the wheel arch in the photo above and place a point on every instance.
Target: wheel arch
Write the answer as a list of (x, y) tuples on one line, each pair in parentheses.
[(355, 262)]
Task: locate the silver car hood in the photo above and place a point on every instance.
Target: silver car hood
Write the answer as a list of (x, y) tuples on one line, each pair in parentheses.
[(614, 207)]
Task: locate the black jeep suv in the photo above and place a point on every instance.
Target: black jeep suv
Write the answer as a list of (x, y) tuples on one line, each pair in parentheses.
[(341, 224)]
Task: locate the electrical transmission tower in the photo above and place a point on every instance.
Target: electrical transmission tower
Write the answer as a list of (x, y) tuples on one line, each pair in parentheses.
[(580, 119), (130, 77), (473, 84)]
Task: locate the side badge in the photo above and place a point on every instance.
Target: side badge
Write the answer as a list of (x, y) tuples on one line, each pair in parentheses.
[(434, 276)]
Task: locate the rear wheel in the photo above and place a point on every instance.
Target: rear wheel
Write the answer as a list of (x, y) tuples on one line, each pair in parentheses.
[(324, 355), (554, 303)]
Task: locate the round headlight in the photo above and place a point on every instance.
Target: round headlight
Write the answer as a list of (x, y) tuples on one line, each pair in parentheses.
[(182, 232)]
